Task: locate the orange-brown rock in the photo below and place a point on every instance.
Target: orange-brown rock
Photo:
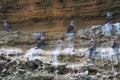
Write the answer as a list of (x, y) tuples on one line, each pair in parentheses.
[(28, 12)]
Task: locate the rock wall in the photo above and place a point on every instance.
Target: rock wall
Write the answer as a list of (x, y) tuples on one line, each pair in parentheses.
[(56, 12)]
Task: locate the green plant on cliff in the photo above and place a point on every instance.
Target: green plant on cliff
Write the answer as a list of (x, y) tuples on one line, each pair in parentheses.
[(44, 4), (8, 4)]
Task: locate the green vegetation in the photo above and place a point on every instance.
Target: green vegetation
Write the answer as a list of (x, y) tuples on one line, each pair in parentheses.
[(72, 58), (44, 4), (7, 4), (41, 78)]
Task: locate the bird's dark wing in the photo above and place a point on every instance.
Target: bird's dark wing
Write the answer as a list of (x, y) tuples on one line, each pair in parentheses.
[(70, 28)]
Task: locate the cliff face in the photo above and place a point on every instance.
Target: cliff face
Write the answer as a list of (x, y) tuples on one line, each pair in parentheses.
[(35, 11)]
